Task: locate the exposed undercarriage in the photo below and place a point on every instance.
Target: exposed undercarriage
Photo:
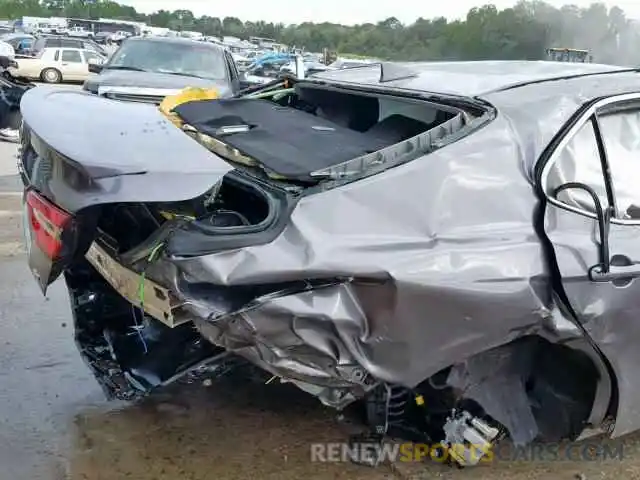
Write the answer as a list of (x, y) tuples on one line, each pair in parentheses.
[(528, 390)]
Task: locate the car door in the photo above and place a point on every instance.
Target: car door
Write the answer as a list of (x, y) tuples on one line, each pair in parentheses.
[(73, 66), (591, 213)]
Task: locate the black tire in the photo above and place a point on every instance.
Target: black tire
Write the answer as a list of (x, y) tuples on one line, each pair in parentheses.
[(51, 75)]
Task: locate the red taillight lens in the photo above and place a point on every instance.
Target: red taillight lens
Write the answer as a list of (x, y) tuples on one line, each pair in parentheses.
[(47, 222)]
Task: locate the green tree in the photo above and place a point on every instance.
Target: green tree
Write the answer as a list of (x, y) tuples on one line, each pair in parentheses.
[(522, 32)]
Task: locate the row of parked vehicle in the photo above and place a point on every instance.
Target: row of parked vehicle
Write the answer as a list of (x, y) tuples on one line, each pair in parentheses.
[(53, 58), (76, 31)]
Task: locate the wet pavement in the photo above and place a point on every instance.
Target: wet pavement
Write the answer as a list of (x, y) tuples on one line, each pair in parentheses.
[(56, 425)]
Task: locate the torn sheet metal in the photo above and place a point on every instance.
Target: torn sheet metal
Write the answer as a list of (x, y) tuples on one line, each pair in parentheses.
[(448, 268), (421, 266), (437, 278)]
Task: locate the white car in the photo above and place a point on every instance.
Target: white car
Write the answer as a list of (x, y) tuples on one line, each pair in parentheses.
[(51, 29), (119, 36), (56, 65), (80, 32)]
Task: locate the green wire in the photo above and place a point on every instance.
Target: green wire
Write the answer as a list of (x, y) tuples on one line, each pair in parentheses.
[(143, 276)]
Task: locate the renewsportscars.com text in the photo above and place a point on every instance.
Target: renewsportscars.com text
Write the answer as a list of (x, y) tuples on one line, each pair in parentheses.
[(409, 452)]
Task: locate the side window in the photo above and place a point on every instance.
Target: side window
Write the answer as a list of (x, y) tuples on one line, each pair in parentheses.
[(71, 56), (56, 56), (89, 55), (578, 161), (621, 137)]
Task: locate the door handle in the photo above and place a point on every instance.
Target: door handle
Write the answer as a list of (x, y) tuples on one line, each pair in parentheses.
[(624, 272)]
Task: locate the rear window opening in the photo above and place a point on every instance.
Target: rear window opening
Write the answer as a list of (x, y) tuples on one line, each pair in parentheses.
[(298, 137), (311, 133), (232, 205)]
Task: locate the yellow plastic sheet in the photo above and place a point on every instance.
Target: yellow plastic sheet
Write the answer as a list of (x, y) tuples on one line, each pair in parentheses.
[(189, 94)]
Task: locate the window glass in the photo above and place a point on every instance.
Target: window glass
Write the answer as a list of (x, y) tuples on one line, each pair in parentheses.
[(232, 66), (52, 43), (621, 136), (90, 55), (72, 56), (68, 43), (193, 59), (579, 161), (93, 47)]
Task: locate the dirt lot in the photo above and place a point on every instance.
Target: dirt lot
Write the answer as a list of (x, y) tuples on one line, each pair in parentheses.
[(55, 424)]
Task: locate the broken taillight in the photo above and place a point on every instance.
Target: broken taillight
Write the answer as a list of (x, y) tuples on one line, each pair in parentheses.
[(47, 222)]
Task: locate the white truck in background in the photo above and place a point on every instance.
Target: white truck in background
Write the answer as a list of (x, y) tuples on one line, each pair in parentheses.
[(80, 32), (51, 29)]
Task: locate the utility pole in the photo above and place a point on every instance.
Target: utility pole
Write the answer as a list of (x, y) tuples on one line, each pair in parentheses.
[(89, 3)]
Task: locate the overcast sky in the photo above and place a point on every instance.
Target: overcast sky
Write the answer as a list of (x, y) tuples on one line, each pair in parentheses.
[(342, 11)]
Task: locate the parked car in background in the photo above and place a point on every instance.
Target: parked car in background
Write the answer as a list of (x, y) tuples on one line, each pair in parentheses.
[(51, 29), (52, 41), (22, 43), (147, 69), (244, 60), (349, 63), (120, 36), (56, 65), (80, 32), (309, 67), (102, 38)]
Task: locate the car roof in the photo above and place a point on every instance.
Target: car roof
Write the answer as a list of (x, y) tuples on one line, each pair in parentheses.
[(67, 48), (469, 79), (12, 36), (58, 37), (175, 40)]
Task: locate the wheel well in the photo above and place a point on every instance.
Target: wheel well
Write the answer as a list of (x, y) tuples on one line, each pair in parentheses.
[(535, 389)]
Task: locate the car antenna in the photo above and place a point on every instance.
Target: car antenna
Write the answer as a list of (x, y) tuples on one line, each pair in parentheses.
[(390, 72)]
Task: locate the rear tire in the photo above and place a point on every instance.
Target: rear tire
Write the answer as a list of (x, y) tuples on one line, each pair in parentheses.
[(51, 75)]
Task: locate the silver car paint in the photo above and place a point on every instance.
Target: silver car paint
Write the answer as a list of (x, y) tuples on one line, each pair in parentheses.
[(427, 264)]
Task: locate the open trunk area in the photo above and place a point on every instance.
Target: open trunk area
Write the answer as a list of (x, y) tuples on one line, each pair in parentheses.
[(300, 134), (287, 137), (231, 205)]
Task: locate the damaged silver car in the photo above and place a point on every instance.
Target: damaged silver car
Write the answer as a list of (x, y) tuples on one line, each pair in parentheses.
[(455, 245)]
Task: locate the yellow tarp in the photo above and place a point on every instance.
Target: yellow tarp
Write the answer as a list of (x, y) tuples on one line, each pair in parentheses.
[(189, 94)]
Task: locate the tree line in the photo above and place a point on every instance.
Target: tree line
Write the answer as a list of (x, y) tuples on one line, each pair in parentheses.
[(523, 32)]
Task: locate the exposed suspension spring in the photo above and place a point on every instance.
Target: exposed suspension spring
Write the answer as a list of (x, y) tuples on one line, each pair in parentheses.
[(397, 403)]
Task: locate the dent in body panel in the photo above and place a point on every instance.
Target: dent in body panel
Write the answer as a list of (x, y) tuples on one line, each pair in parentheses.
[(410, 289), (392, 280)]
